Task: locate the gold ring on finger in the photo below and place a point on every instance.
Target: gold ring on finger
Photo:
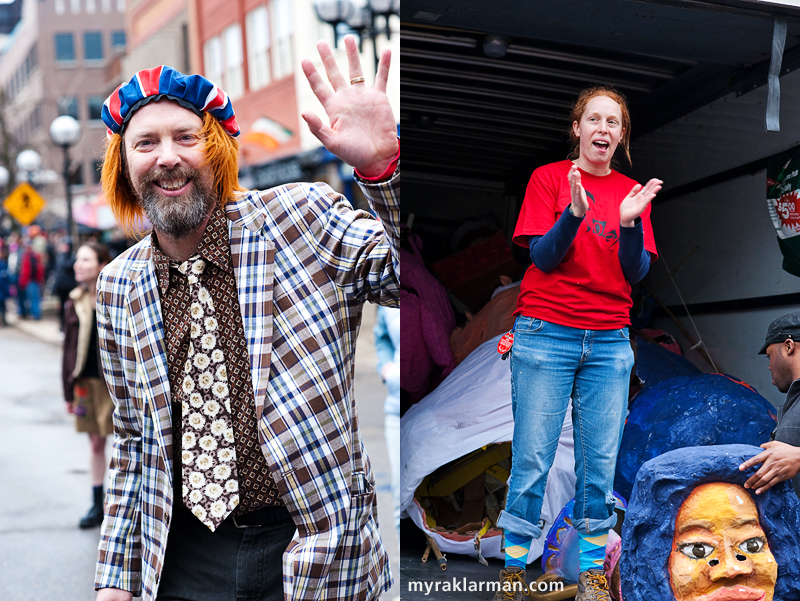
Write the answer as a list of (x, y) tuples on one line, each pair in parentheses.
[(355, 80)]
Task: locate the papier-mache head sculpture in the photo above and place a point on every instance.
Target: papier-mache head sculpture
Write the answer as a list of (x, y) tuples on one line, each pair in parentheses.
[(694, 533)]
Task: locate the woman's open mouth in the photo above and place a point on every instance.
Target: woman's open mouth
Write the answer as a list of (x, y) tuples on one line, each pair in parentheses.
[(601, 145)]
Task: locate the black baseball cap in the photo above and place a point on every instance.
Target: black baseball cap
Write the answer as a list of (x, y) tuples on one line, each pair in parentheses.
[(786, 326)]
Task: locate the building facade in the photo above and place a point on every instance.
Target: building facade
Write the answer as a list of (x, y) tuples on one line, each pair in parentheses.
[(56, 62), (253, 49), (66, 56), (158, 34)]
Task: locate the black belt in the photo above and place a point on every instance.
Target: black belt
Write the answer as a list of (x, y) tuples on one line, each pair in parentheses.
[(266, 516)]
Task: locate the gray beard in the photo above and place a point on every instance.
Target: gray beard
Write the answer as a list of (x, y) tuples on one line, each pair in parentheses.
[(176, 216)]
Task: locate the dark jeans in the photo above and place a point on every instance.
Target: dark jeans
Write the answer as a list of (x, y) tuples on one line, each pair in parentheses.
[(22, 309), (230, 564)]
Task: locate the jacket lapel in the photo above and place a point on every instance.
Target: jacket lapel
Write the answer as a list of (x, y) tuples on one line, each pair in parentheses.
[(83, 309), (253, 259), (143, 307)]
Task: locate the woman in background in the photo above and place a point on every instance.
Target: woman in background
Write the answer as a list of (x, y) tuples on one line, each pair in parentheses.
[(84, 386)]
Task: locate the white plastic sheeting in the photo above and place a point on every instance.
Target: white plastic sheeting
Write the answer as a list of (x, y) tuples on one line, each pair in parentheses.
[(471, 408)]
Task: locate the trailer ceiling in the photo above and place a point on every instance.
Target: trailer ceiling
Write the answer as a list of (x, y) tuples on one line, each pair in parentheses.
[(464, 113)]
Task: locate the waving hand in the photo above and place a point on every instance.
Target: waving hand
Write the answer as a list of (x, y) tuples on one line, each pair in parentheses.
[(362, 130)]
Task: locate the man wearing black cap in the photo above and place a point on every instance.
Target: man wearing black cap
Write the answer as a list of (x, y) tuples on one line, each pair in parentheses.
[(781, 457)]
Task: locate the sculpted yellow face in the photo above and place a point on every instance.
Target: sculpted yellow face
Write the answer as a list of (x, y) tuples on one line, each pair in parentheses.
[(719, 551)]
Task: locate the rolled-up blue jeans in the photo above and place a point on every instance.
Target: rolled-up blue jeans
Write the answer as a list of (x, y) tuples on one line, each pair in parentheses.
[(549, 364)]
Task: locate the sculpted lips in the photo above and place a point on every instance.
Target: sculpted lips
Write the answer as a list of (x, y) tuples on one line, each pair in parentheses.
[(734, 593)]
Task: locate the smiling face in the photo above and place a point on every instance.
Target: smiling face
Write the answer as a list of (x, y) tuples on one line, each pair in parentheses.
[(598, 132), (719, 551), (164, 154)]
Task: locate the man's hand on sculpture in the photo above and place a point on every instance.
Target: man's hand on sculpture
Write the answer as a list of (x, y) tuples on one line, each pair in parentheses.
[(362, 130), (780, 461)]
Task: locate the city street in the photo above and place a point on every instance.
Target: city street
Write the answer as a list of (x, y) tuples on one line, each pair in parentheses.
[(44, 556)]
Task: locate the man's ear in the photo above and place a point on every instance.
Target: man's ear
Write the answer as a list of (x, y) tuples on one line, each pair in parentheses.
[(790, 346)]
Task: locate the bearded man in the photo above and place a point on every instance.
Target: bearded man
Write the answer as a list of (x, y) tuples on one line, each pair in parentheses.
[(227, 339)]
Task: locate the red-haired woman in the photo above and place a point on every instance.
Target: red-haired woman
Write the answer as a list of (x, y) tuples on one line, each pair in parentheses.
[(590, 238)]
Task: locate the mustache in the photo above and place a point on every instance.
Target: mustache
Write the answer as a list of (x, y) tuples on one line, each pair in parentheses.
[(158, 173), (176, 216)]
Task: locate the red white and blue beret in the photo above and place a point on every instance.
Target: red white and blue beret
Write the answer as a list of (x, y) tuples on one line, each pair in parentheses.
[(193, 92)]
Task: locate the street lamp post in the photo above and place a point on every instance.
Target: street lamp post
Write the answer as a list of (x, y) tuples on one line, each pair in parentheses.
[(65, 132), (333, 12), (361, 21), (385, 8), (5, 177), (29, 164), (359, 16)]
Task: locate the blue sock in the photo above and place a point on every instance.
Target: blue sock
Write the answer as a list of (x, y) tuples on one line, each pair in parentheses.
[(592, 550), (517, 549)]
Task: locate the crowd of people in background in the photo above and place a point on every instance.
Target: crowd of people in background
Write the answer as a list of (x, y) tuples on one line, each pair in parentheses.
[(35, 263)]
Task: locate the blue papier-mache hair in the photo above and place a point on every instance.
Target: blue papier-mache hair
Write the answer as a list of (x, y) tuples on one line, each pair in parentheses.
[(664, 483)]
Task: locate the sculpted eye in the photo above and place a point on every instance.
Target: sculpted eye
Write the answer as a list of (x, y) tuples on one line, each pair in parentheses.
[(753, 545), (697, 550)]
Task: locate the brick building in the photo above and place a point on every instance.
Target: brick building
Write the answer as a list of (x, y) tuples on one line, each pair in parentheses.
[(253, 48), (56, 62)]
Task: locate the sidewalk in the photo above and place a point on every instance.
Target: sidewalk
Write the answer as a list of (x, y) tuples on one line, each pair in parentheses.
[(46, 329), (46, 488)]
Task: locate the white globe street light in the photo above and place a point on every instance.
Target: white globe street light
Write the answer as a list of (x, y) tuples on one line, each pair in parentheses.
[(65, 131), (28, 161), (333, 12), (359, 16)]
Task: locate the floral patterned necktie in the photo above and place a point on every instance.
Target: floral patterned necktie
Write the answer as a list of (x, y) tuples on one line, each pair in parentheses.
[(208, 458)]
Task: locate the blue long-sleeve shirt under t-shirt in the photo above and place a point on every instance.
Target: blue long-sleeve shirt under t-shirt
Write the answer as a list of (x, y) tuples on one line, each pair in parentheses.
[(548, 251)]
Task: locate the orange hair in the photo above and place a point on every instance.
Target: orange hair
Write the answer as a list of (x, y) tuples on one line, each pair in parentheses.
[(221, 154), (580, 106)]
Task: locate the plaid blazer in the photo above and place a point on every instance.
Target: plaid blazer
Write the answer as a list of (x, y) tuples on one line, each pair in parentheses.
[(305, 262)]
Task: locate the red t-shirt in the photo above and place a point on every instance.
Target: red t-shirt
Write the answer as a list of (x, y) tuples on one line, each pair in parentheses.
[(587, 290)]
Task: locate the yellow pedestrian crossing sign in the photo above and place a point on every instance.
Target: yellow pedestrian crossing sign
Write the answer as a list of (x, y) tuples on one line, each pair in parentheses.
[(24, 203)]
